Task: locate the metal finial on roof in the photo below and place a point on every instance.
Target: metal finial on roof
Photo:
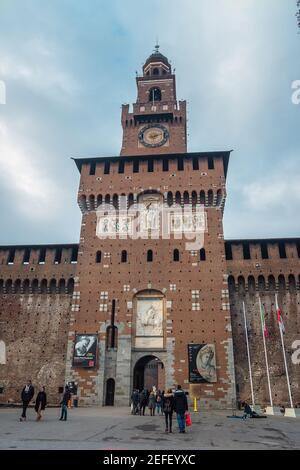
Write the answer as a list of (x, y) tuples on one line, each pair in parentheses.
[(156, 46)]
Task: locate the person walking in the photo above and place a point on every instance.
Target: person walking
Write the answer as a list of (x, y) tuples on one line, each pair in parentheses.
[(168, 408), (152, 403), (180, 407), (40, 403), (143, 401), (26, 397), (159, 402), (64, 404)]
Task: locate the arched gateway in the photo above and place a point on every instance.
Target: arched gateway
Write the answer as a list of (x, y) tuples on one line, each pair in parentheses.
[(148, 371)]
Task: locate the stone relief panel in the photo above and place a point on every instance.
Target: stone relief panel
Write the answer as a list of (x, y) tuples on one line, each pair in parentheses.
[(149, 320)]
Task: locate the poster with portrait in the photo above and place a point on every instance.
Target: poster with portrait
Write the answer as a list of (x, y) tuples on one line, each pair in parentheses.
[(202, 363), (85, 351)]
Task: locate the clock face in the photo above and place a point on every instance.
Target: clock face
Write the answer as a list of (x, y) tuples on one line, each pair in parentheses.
[(153, 135)]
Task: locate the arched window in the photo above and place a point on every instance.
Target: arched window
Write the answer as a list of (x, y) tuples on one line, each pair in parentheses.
[(130, 199), (281, 283), (35, 286), (107, 199), (52, 287), (186, 197), (124, 256), (149, 255), (170, 198), (155, 71), (44, 286), (210, 197), (178, 197), (271, 282), (26, 286), (251, 285), (292, 284), (62, 286), (202, 197), (8, 286), (202, 254), (98, 256), (99, 200), (176, 255), (17, 286), (231, 284), (70, 286), (92, 202), (154, 94), (115, 201), (194, 198), (219, 197), (241, 285), (261, 283)]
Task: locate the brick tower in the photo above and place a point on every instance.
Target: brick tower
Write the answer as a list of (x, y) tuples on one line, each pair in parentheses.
[(139, 302), (157, 124)]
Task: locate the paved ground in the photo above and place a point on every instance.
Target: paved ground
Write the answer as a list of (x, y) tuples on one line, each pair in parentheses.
[(114, 428)]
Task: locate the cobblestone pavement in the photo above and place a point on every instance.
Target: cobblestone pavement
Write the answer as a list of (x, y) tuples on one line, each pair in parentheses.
[(114, 428)]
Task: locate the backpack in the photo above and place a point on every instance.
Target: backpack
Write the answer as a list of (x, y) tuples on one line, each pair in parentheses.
[(168, 405)]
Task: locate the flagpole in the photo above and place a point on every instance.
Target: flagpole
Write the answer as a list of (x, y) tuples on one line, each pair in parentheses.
[(248, 353), (266, 356), (284, 356)]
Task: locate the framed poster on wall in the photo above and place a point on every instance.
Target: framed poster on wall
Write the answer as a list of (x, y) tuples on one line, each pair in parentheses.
[(202, 363), (85, 350)]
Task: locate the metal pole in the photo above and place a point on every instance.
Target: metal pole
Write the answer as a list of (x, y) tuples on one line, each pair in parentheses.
[(248, 353), (266, 356), (284, 356)]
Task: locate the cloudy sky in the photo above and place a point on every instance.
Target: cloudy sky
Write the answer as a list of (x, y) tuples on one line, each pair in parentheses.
[(69, 65)]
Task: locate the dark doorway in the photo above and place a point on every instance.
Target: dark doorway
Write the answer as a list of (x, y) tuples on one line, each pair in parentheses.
[(149, 371), (110, 392)]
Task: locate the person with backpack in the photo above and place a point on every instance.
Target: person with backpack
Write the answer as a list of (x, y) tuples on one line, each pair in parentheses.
[(168, 408), (180, 407)]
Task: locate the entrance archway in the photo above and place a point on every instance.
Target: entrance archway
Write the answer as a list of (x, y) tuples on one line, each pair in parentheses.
[(110, 392), (148, 371)]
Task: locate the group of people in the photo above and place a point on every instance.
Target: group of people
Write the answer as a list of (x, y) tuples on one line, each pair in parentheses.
[(164, 403), (27, 395)]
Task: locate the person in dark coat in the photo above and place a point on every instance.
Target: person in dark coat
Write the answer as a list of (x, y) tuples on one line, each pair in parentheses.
[(250, 412), (143, 401), (40, 403), (135, 401), (64, 404), (180, 407), (168, 408), (26, 397)]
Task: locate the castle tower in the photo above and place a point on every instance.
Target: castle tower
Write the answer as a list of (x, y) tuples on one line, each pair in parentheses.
[(157, 124), (143, 298)]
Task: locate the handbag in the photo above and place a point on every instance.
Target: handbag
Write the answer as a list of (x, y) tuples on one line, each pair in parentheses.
[(188, 419)]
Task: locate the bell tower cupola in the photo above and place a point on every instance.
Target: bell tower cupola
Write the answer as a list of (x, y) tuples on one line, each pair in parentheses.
[(157, 123)]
